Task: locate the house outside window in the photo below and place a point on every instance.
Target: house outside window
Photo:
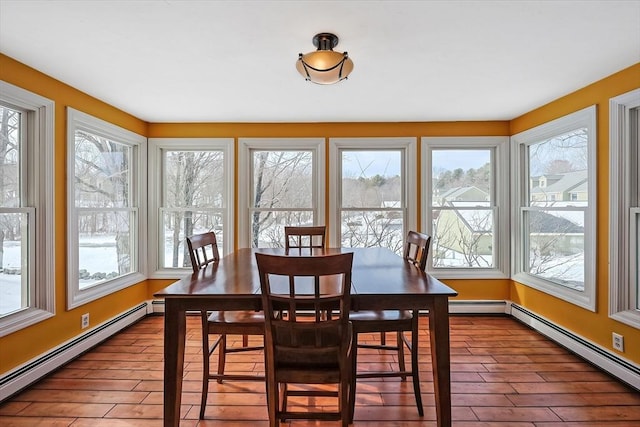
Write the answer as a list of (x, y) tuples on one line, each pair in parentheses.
[(465, 198), (624, 248), (106, 207), (190, 192), (555, 239), (371, 179), (27, 288), (281, 185)]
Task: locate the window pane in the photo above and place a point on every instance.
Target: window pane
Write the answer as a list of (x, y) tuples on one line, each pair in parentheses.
[(102, 172), (13, 262), (105, 246), (463, 238), (194, 179), (372, 228), (461, 175), (178, 225), (10, 137), (282, 179), (267, 227), (372, 179), (558, 169), (556, 246)]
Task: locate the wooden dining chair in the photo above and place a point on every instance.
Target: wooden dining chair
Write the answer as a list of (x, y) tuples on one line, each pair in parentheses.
[(310, 350), (304, 237), (416, 251), (203, 250)]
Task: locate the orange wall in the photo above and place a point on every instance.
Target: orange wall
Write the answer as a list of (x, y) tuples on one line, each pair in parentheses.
[(596, 327), (30, 342), (37, 339)]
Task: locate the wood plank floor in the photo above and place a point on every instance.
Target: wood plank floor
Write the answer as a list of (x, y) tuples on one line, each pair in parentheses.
[(503, 374)]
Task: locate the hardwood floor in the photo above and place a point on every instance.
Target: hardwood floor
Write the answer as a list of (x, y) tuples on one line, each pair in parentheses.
[(503, 374)]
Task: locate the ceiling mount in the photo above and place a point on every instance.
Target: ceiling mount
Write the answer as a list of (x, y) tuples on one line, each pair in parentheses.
[(324, 66)]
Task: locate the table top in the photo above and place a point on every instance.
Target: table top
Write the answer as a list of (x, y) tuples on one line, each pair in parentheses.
[(376, 272)]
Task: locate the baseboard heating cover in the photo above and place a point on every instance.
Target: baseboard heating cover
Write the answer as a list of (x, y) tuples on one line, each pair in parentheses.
[(35, 369)]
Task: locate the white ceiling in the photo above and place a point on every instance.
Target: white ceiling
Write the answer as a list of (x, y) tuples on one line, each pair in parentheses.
[(234, 61)]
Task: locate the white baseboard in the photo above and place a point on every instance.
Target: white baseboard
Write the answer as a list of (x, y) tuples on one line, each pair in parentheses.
[(26, 374), (623, 369)]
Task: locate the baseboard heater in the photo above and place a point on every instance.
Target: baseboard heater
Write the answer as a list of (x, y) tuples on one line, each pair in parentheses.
[(23, 376)]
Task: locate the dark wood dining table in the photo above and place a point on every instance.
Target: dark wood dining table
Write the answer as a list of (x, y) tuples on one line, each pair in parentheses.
[(381, 280)]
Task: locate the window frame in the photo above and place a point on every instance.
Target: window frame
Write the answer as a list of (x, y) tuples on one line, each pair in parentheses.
[(409, 158), (623, 231), (156, 195), (79, 120), (520, 183), (245, 176), (40, 189), (499, 145)]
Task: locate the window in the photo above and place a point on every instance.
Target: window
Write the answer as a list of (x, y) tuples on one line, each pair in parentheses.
[(465, 193), (190, 190), (105, 180), (556, 232), (624, 247), (281, 184), (373, 181), (27, 254)]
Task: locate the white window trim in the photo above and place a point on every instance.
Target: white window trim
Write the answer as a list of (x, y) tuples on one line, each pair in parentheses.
[(245, 177), (42, 186), (156, 146), (621, 295), (500, 147), (408, 144), (519, 184), (76, 296)]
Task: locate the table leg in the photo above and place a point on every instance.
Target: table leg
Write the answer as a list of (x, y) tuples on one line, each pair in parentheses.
[(174, 342), (440, 356)]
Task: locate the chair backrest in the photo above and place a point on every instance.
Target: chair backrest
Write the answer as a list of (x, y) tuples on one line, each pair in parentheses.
[(315, 294), (305, 237), (416, 249), (203, 250)]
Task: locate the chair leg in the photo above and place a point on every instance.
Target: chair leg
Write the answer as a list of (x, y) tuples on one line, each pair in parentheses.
[(272, 403), (414, 364), (205, 374), (401, 364), (352, 388), (383, 338), (222, 356), (245, 341)]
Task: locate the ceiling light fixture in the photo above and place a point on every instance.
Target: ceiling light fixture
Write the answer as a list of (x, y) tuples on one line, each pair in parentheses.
[(324, 66)]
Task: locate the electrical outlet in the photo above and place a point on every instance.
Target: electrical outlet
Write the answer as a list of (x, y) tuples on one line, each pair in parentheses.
[(85, 320), (618, 342)]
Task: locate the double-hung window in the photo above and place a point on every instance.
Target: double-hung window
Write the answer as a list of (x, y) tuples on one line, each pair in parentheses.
[(27, 252), (281, 184), (373, 181), (106, 231), (554, 199), (624, 194), (465, 194), (190, 192)]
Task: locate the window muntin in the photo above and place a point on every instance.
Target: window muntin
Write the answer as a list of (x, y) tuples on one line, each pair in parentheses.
[(371, 178), (105, 208), (624, 247), (282, 184), (554, 202), (27, 292)]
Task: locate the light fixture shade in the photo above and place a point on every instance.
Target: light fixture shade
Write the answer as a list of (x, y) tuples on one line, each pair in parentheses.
[(324, 66)]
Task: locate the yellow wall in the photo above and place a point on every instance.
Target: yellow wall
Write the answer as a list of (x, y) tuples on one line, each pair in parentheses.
[(28, 343), (596, 327), (23, 345)]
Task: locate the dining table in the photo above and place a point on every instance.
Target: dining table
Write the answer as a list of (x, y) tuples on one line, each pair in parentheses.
[(381, 280)]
